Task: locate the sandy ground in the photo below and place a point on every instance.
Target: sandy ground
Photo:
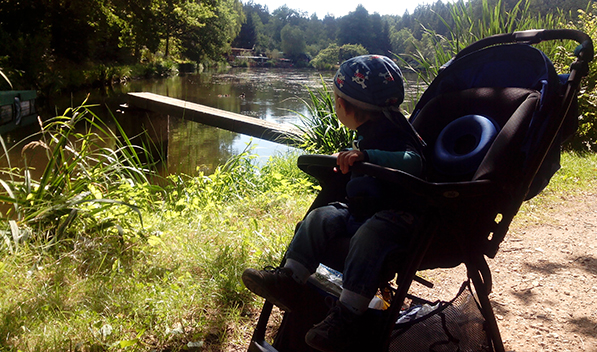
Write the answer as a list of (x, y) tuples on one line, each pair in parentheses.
[(544, 279)]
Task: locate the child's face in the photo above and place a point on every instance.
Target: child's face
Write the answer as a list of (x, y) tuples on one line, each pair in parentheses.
[(347, 118)]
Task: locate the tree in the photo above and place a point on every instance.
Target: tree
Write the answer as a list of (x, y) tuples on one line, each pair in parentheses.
[(293, 42), (330, 25), (279, 19), (403, 42), (355, 28), (253, 32), (380, 36), (247, 36), (180, 18), (213, 38)]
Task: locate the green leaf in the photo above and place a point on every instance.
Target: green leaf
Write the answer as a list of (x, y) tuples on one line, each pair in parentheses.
[(128, 343)]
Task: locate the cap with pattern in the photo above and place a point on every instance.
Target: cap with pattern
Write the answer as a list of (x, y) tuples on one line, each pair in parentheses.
[(370, 82)]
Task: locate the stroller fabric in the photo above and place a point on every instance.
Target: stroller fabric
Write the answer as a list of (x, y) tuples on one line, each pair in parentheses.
[(505, 66)]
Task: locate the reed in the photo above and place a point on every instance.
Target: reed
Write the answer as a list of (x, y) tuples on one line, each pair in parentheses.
[(79, 188), (466, 28), (322, 132)]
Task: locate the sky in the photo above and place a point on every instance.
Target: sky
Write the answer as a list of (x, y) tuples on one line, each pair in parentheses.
[(339, 8)]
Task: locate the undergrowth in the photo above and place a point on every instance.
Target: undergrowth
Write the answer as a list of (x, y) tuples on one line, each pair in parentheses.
[(95, 258)]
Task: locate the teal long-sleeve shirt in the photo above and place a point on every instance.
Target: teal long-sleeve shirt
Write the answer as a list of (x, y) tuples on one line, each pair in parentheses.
[(407, 161)]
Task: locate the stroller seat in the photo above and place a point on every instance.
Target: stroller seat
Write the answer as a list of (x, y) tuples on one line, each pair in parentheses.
[(511, 111)]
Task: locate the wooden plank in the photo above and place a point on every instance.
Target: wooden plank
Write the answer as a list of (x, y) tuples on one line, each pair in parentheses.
[(227, 120)]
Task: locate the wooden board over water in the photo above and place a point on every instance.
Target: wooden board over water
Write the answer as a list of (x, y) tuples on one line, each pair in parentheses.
[(227, 120)]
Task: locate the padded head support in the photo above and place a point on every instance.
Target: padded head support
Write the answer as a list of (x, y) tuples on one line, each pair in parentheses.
[(503, 106), (462, 144)]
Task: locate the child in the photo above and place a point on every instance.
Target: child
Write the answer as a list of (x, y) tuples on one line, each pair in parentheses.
[(368, 90)]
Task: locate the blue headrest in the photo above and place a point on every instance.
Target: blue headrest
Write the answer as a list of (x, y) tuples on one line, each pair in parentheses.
[(463, 143)]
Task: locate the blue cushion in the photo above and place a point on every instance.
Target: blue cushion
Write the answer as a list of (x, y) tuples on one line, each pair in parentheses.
[(463, 143)]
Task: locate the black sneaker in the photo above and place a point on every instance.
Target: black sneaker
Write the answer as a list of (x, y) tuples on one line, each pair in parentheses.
[(275, 285), (335, 332)]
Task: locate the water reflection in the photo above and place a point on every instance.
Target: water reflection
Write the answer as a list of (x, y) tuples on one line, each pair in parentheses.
[(264, 93), (269, 94)]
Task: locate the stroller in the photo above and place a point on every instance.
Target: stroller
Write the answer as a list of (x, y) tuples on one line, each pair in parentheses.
[(493, 120)]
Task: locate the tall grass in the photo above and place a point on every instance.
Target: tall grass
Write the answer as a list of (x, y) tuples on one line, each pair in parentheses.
[(586, 138), (6, 79), (466, 28), (79, 188), (322, 132)]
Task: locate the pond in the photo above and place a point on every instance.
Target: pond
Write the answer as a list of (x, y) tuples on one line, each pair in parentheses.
[(264, 93)]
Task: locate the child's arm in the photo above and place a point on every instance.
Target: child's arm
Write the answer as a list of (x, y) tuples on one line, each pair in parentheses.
[(407, 161)]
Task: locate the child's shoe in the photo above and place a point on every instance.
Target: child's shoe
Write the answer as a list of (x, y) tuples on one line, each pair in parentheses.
[(275, 285), (335, 332)]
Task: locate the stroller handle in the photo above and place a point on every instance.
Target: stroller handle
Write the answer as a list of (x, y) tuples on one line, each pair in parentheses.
[(535, 36)]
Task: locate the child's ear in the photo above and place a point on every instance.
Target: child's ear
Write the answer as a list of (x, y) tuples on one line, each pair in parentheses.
[(341, 103)]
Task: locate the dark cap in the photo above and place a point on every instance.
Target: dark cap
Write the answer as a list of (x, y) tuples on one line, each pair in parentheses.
[(370, 82)]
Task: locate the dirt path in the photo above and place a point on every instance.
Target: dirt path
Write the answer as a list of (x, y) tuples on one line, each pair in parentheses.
[(545, 279)]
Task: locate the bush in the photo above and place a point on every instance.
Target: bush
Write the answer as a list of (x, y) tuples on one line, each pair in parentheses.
[(80, 190), (330, 57), (586, 137)]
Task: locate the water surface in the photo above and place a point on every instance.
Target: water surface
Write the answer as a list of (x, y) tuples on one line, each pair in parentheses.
[(263, 93)]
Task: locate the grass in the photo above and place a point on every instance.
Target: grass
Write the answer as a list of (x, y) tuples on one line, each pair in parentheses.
[(181, 286), (578, 175), (322, 132)]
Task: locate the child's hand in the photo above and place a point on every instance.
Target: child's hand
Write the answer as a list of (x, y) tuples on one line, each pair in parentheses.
[(348, 158)]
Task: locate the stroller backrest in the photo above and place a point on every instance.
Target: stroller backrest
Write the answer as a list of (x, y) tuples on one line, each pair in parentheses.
[(484, 112), (462, 157), (509, 65)]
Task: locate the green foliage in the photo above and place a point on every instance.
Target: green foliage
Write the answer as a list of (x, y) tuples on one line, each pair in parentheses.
[(181, 285), (79, 190), (293, 41), (328, 58), (44, 41), (237, 179), (322, 132), (103, 287), (469, 27), (585, 139), (212, 38), (333, 55), (466, 26)]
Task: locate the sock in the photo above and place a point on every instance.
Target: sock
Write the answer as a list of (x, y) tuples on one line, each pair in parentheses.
[(300, 273), (355, 302)]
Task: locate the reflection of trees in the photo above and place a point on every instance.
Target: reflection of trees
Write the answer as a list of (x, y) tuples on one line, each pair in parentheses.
[(193, 145)]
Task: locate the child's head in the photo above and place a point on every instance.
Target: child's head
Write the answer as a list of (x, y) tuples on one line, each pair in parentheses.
[(369, 84)]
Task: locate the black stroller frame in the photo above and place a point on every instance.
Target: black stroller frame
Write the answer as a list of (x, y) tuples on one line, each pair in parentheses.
[(466, 217)]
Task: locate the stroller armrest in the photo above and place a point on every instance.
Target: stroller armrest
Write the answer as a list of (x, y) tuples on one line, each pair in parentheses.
[(431, 190), (316, 165)]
